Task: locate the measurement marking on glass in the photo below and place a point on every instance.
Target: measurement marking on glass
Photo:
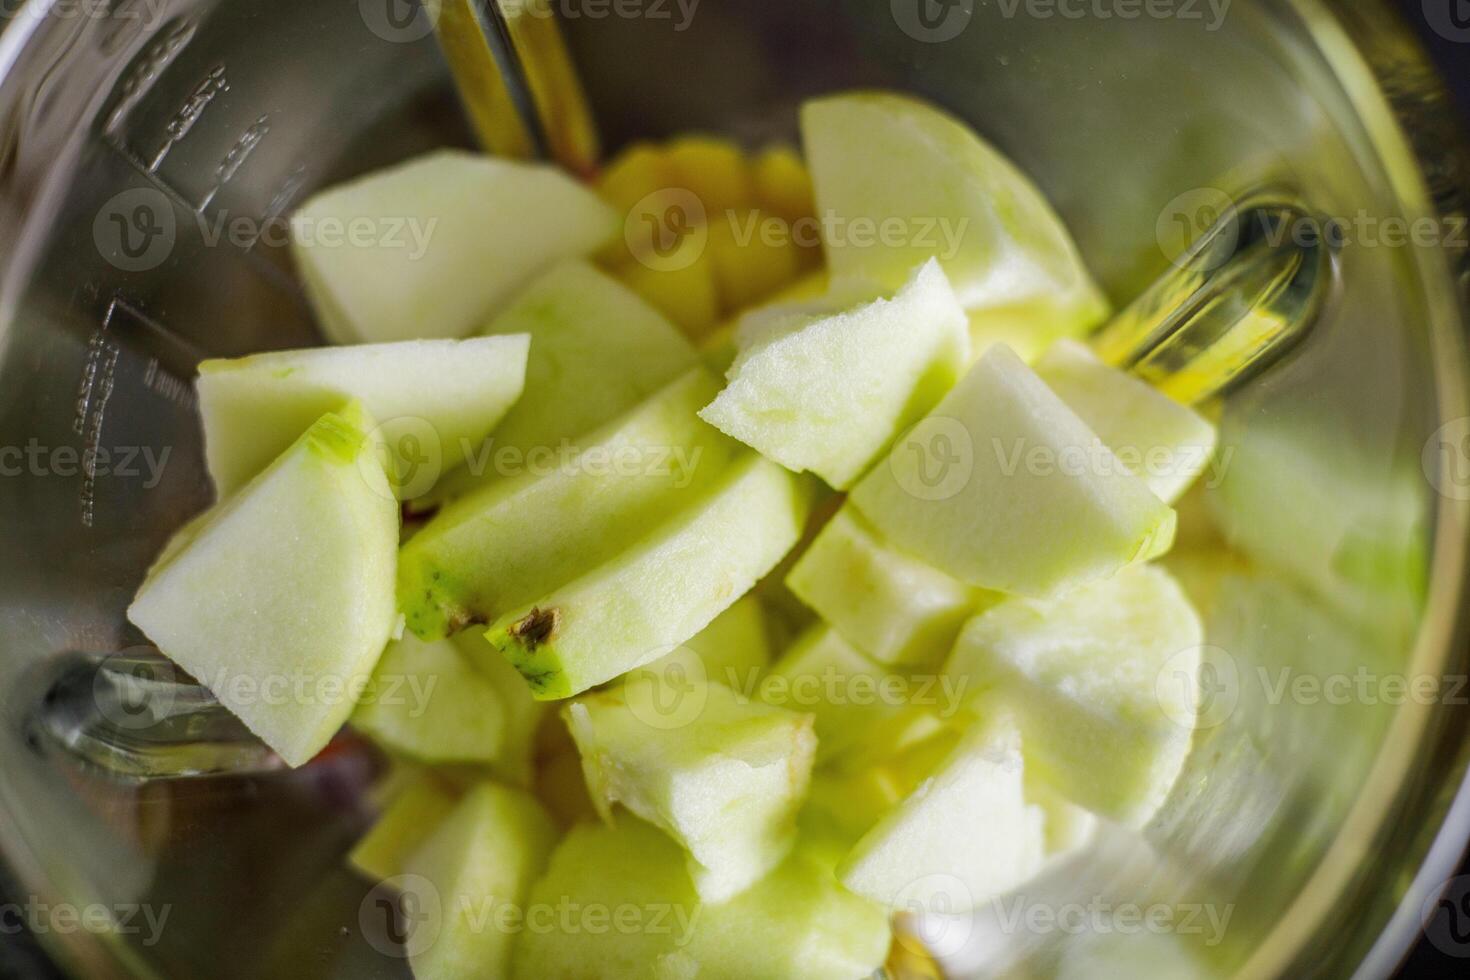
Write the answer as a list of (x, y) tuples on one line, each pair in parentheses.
[(191, 112), (236, 157), (141, 77)]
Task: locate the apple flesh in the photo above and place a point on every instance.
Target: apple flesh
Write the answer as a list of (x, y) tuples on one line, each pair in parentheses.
[(722, 775), (1103, 682), (1005, 488), (515, 763), (427, 702), (401, 829), (895, 608), (883, 159), (480, 228), (734, 649), (435, 400), (824, 675), (235, 604), (655, 596), (515, 539), (477, 864), (827, 394), (1160, 440)]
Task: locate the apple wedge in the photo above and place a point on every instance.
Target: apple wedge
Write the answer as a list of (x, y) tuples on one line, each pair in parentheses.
[(722, 775), (280, 599), (655, 596), (844, 691), (515, 763), (827, 394), (895, 608), (1160, 440), (968, 824), (427, 702), (470, 879), (734, 650), (1002, 486), (597, 350), (513, 540), (435, 400), (402, 827), (433, 247), (882, 161), (1103, 682)]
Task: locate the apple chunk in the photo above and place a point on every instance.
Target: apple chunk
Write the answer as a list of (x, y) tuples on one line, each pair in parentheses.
[(844, 691), (1160, 440), (401, 829), (722, 775), (969, 822), (435, 400), (828, 393), (286, 586), (734, 649), (432, 247), (515, 539), (895, 608), (1103, 682), (659, 593), (471, 877), (883, 160), (1002, 486)]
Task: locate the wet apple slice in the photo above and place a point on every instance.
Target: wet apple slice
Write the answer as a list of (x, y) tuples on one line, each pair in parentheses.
[(519, 537), (899, 181), (286, 586), (436, 400), (433, 247), (1103, 682), (659, 593), (829, 393), (722, 775), (1002, 486)]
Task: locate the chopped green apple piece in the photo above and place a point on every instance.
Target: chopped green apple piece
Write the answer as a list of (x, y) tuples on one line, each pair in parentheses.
[(432, 247), (516, 539), (895, 608), (722, 775), (655, 596), (827, 394), (881, 160), (287, 585), (523, 713), (734, 649), (1004, 487), (435, 399), (1068, 826), (1158, 439), (969, 822), (1029, 330), (797, 922), (846, 693), (401, 829), (597, 350), (1103, 682), (472, 875), (427, 702)]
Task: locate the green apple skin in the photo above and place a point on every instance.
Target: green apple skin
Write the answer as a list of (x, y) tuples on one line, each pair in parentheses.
[(827, 394), (597, 350), (655, 596), (290, 579), (434, 398), (1103, 682), (401, 829), (896, 609), (1028, 501), (725, 782), (797, 922), (429, 703), (480, 229), (879, 157), (1163, 442), (515, 539), (484, 856), (970, 821)]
